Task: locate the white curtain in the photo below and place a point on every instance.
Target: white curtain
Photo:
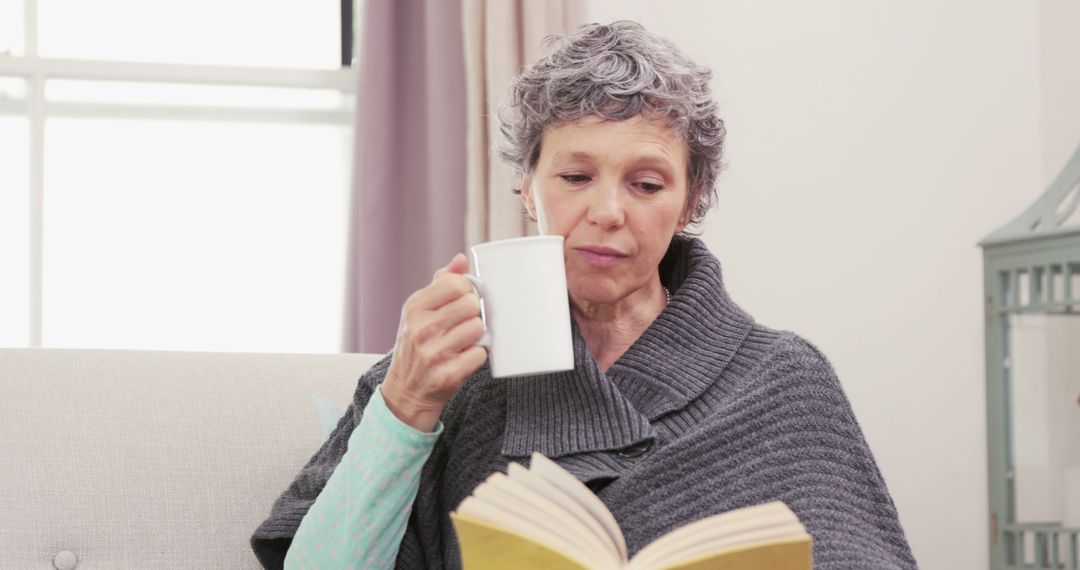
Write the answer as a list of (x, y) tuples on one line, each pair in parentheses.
[(500, 37)]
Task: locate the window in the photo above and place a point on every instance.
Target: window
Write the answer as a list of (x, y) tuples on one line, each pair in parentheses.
[(174, 175), (284, 34)]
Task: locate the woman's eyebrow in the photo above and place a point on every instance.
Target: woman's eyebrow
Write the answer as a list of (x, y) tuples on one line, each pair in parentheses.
[(571, 155), (654, 161)]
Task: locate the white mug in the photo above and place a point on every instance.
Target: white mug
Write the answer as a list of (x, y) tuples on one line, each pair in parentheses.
[(524, 304)]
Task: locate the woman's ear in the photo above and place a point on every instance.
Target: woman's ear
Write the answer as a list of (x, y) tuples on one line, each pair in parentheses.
[(684, 219), (527, 199)]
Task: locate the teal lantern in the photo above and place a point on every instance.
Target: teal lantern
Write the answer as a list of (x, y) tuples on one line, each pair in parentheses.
[(1031, 284)]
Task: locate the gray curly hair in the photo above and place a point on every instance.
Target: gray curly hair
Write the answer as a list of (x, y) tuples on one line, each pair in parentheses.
[(617, 71)]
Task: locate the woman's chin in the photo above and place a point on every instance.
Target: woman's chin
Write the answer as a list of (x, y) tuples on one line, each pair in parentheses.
[(595, 295)]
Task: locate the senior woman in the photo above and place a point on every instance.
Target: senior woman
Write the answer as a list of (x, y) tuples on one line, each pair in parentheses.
[(679, 406)]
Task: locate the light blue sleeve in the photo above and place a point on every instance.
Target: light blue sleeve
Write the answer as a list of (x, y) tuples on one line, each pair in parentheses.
[(359, 518)]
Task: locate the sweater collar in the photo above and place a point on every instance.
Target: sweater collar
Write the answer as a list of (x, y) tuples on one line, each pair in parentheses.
[(677, 357), (690, 343)]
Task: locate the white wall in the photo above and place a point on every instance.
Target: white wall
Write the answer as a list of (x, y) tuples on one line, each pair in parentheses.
[(1059, 58), (871, 145)]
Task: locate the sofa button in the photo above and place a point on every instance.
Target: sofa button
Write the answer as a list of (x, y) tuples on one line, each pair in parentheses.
[(65, 560)]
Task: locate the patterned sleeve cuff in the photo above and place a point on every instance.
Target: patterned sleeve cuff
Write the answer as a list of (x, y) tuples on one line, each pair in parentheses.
[(383, 420)]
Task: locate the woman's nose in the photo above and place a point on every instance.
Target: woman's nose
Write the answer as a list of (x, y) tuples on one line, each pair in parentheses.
[(605, 207)]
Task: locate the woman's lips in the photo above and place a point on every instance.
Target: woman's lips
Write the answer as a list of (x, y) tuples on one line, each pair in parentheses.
[(601, 256)]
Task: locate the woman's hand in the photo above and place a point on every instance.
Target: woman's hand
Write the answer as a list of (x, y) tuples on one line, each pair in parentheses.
[(435, 348)]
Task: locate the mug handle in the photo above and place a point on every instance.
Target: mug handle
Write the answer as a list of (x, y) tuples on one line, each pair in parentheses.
[(485, 341)]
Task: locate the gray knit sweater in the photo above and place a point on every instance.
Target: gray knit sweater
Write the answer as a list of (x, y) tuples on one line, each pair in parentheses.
[(707, 412)]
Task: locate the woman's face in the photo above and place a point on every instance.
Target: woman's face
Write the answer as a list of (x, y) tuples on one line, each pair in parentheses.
[(616, 191)]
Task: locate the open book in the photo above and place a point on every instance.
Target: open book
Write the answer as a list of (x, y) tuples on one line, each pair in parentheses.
[(543, 517)]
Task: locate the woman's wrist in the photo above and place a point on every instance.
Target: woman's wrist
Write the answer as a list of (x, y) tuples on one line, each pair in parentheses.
[(416, 417)]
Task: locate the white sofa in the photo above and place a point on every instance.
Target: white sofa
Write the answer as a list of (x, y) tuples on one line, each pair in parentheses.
[(145, 459)]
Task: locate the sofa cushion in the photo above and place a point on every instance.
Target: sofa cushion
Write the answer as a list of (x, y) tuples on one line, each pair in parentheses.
[(135, 459)]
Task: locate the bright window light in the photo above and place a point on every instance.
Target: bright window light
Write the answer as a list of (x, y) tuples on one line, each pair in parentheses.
[(14, 233), (194, 236), (212, 32), (12, 40), (12, 88)]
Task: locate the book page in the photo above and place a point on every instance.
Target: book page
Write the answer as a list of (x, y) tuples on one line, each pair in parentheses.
[(516, 496), (714, 534), (567, 503), (716, 545), (513, 525), (488, 547), (788, 554), (721, 531), (577, 490)]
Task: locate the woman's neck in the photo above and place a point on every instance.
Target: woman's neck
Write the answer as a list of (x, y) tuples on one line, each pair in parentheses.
[(609, 329)]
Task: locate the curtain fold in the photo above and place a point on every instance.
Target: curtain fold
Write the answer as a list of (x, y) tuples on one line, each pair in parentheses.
[(426, 182), (407, 210), (500, 37)]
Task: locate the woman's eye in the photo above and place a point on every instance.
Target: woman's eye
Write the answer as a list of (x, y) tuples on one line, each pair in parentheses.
[(650, 187), (575, 178)]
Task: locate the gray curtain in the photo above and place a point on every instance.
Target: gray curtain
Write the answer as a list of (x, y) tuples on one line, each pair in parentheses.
[(407, 214)]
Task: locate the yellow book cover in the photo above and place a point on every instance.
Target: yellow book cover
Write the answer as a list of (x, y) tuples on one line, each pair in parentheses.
[(543, 517)]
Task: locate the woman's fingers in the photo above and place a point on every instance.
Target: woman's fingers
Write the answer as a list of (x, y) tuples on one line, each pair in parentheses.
[(445, 361), (446, 286), (427, 324), (467, 362), (444, 332), (464, 307), (460, 337), (451, 373), (435, 348), (458, 264)]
